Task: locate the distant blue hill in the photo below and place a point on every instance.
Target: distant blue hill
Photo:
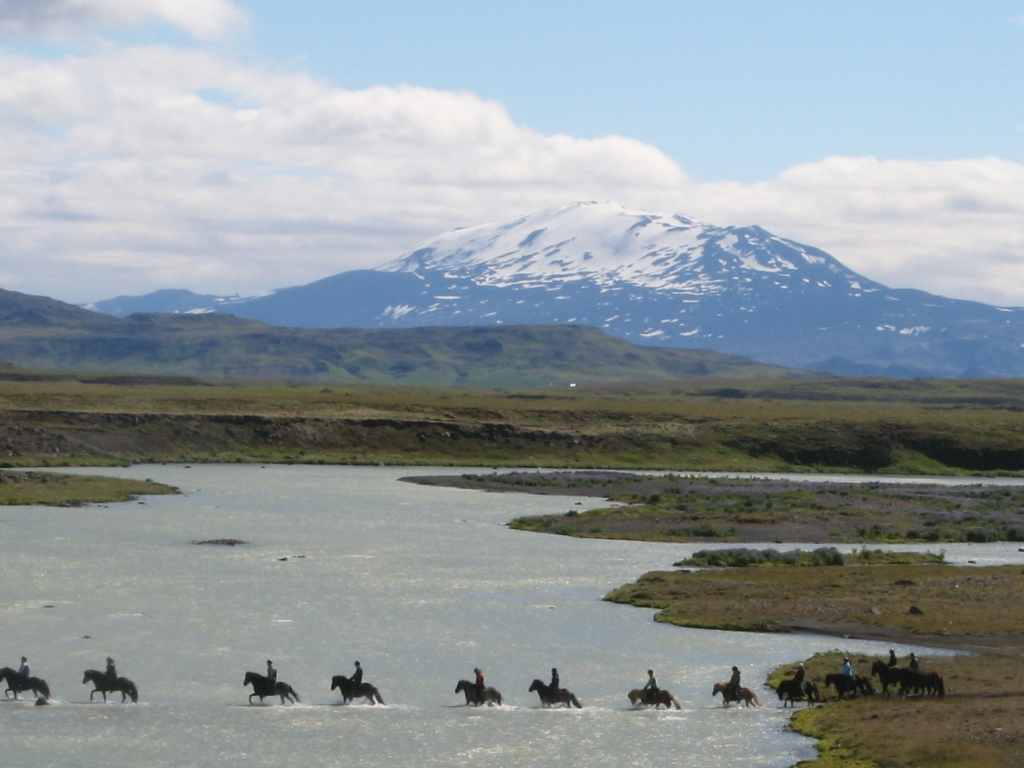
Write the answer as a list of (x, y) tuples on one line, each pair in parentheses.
[(654, 279)]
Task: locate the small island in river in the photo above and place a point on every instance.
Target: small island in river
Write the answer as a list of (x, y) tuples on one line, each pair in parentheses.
[(696, 508), (66, 490)]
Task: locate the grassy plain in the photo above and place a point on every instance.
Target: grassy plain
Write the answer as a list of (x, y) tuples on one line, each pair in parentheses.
[(978, 724), (60, 490), (922, 427), (942, 605), (682, 508)]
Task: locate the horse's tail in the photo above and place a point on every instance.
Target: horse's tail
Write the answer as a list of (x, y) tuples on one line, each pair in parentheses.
[(675, 701), (294, 694), (940, 687), (575, 701), (755, 698), (43, 687), (377, 696)]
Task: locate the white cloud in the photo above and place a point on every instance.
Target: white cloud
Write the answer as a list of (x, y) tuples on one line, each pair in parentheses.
[(132, 169), (202, 19)]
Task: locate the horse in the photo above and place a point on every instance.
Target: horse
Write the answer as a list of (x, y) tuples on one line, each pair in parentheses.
[(744, 694), (348, 692), (928, 682), (792, 691), (263, 686), (549, 698), (886, 675), (490, 695), (849, 684), (103, 684), (640, 697), (17, 685)]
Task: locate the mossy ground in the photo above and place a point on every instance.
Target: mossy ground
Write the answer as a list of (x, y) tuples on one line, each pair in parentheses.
[(978, 724), (60, 490), (983, 605)]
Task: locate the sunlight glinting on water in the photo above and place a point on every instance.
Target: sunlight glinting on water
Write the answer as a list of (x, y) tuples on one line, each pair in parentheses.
[(345, 563)]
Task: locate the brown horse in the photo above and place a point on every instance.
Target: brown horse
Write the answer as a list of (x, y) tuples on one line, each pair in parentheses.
[(490, 696), (744, 694), (640, 697), (549, 698)]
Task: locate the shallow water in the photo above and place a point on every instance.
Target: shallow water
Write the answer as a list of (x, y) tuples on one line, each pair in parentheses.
[(420, 584)]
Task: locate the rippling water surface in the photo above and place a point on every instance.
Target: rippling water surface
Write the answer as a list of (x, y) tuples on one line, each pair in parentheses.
[(344, 563)]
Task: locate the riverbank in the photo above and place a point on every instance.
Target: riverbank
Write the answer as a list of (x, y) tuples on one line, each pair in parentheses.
[(977, 609), (862, 425), (681, 508), (64, 490), (979, 723)]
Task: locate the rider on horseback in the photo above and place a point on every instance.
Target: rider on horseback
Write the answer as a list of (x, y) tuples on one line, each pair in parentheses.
[(24, 673), (479, 684), (111, 673), (357, 677), (651, 689), (893, 661), (847, 667), (914, 664), (554, 682), (271, 672), (734, 683)]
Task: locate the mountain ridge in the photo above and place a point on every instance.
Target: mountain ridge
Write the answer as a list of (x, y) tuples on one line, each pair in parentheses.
[(666, 280), (41, 333)]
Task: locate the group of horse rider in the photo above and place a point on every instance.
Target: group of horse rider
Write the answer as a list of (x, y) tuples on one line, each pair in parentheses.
[(847, 669), (22, 678), (357, 676)]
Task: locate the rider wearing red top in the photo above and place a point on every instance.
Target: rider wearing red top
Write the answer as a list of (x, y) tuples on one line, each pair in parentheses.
[(479, 684)]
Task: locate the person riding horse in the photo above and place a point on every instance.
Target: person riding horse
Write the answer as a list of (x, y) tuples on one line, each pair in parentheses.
[(734, 683), (651, 689), (357, 677), (554, 682), (23, 674), (111, 672), (893, 661), (271, 672), (798, 676), (479, 683), (914, 663), (847, 667)]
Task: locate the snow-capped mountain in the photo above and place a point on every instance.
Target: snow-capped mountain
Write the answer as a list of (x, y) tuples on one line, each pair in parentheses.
[(659, 279)]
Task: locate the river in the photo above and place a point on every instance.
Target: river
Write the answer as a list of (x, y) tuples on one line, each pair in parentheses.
[(344, 563)]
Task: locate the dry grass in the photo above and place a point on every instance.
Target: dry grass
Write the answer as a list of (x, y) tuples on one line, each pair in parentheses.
[(24, 488), (978, 605), (979, 723)]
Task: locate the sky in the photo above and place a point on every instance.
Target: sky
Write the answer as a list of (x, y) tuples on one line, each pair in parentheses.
[(237, 146)]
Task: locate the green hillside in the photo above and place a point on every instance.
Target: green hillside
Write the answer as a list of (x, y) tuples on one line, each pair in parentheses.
[(40, 333)]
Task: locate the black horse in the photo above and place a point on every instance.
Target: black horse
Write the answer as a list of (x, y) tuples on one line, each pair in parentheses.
[(350, 691), (16, 684), (263, 686), (103, 684), (791, 691), (887, 675), (550, 698), (473, 695), (929, 683), (849, 684)]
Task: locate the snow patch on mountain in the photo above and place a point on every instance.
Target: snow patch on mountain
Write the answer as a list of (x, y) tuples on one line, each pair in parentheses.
[(609, 246)]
